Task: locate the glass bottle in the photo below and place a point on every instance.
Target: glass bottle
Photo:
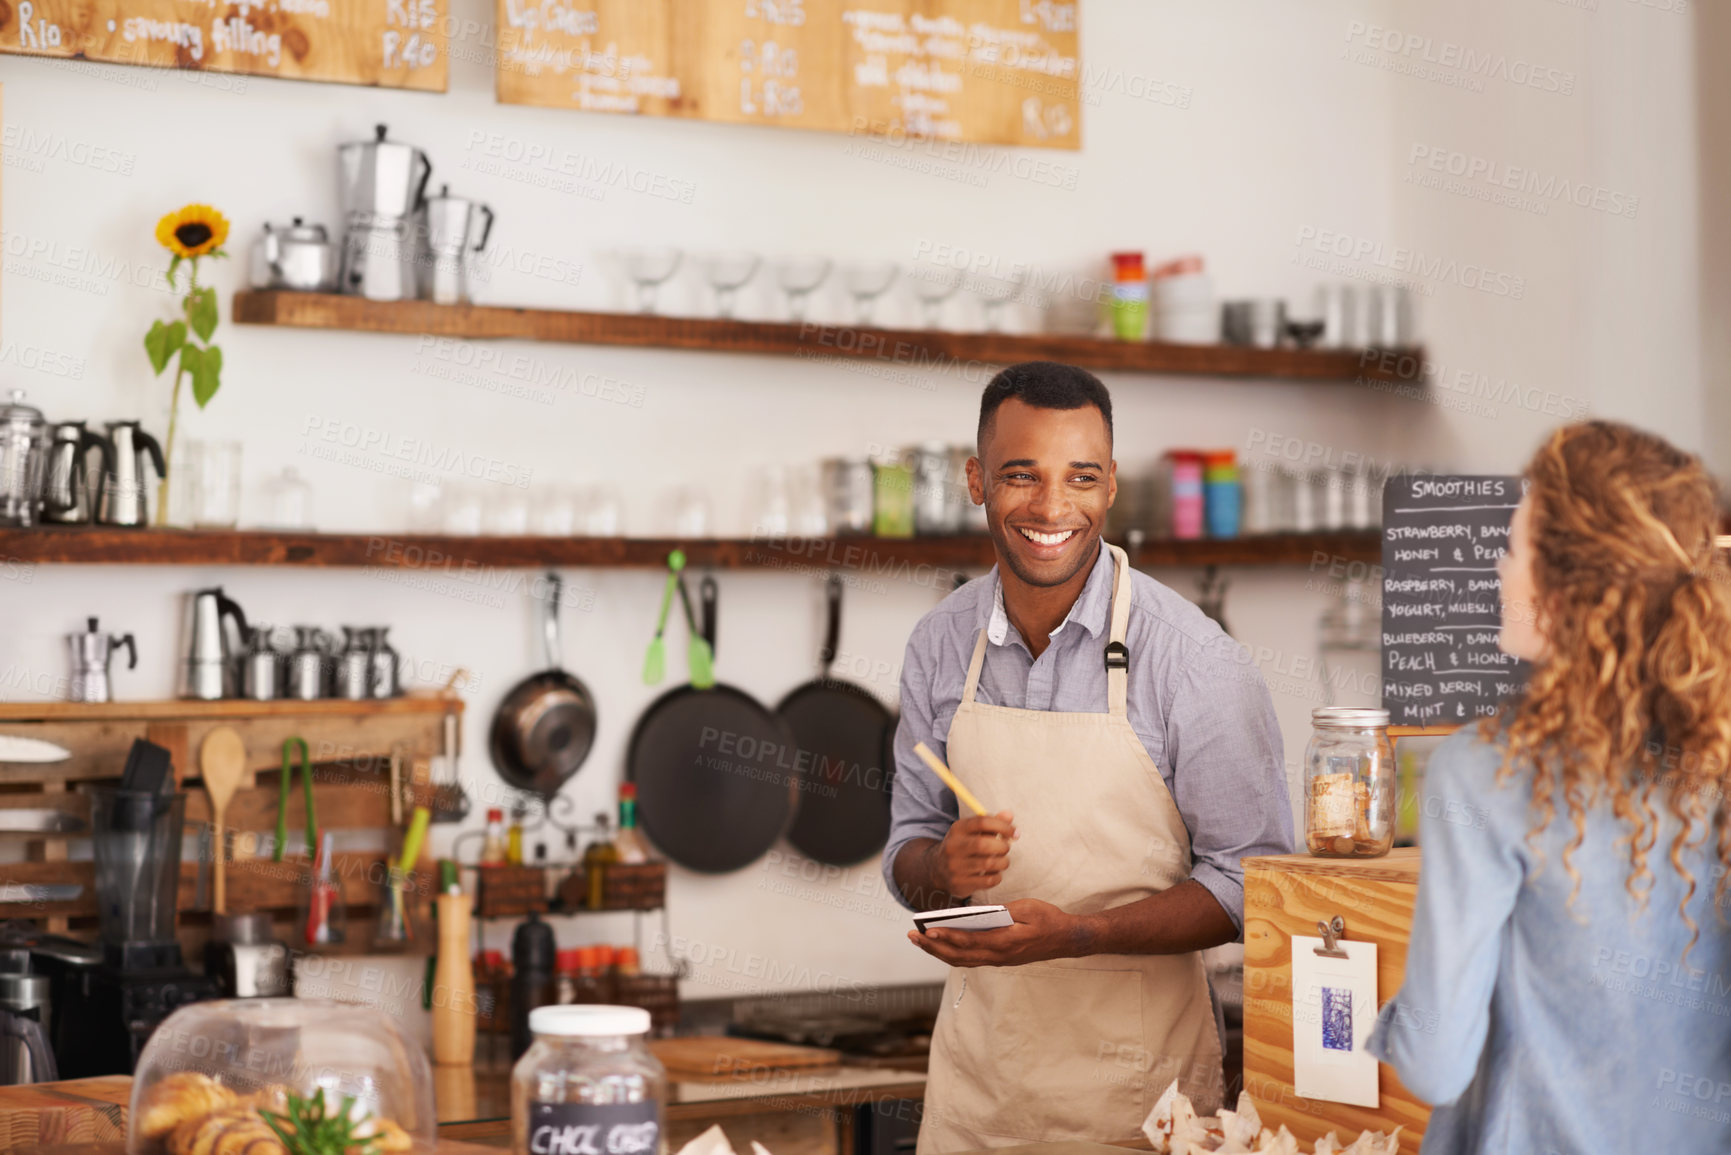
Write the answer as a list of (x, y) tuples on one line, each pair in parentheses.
[(596, 859), (1349, 783), (514, 837), (629, 843), (588, 1082), (493, 846)]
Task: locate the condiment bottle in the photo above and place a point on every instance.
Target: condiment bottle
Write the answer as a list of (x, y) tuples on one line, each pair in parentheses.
[(588, 1083), (567, 982), (625, 964), (629, 841), (600, 854), (514, 837), (591, 987), (493, 846)]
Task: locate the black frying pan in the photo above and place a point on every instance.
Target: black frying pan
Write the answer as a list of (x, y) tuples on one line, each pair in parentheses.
[(714, 771), (544, 728), (844, 737)]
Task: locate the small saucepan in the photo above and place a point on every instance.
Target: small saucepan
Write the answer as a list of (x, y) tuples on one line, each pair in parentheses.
[(545, 727)]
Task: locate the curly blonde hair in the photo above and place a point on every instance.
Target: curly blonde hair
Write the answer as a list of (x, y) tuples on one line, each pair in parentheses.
[(1632, 701)]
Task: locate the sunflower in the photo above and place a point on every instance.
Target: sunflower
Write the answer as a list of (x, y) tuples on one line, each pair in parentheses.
[(194, 231)]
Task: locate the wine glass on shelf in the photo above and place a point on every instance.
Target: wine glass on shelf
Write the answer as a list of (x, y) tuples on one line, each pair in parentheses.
[(996, 290), (933, 286), (649, 267), (867, 282), (799, 277), (727, 273)]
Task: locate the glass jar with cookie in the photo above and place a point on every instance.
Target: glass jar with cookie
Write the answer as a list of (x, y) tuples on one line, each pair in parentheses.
[(1349, 783)]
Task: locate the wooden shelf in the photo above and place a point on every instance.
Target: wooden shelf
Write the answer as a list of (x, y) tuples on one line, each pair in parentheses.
[(904, 349), (227, 709), (455, 557)]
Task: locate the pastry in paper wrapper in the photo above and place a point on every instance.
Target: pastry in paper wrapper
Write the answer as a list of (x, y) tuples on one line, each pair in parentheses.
[(1174, 1128)]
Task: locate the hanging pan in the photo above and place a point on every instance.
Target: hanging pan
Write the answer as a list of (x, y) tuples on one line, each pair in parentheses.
[(843, 736), (714, 771), (544, 728)]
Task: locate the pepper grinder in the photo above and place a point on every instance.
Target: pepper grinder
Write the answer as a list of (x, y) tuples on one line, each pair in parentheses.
[(453, 984), (534, 955)]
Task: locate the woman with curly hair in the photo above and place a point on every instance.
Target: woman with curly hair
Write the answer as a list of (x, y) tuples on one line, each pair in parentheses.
[(1568, 982)]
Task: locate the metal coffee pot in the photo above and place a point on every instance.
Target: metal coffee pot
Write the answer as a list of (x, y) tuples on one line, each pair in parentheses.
[(294, 256), (307, 664), (353, 673), (122, 498), (91, 651), (67, 495), (456, 233), (383, 186), (207, 659), (383, 663), (23, 446), (261, 666)]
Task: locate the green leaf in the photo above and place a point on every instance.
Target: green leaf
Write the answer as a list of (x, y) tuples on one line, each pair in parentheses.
[(208, 376), (172, 267), (201, 310), (162, 342)]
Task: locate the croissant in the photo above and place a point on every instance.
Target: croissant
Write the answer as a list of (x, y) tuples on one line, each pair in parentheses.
[(234, 1131), (390, 1137), (183, 1096)]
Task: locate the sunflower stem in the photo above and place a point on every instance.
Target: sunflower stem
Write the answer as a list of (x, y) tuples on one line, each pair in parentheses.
[(174, 404)]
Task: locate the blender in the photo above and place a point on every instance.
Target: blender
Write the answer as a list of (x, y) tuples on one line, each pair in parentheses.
[(136, 835)]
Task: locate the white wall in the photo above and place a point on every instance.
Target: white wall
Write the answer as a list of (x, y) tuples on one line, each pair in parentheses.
[(1262, 132)]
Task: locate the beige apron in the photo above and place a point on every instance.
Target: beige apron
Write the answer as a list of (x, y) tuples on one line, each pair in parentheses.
[(1074, 1048)]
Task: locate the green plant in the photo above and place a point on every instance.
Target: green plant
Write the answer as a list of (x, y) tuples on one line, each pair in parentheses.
[(308, 1127), (190, 234)]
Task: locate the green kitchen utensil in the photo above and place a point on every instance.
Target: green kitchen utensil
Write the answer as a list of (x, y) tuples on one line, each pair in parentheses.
[(655, 661), (288, 747), (699, 657)]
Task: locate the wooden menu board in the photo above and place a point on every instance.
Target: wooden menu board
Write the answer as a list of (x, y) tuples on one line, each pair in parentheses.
[(1441, 598), (988, 71), (387, 43)]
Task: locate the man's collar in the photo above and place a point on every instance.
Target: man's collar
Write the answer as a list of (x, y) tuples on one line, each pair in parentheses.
[(1092, 608)]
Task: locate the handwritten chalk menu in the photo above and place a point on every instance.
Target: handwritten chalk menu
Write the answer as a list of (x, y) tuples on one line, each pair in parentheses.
[(988, 71), (387, 43), (1441, 611)]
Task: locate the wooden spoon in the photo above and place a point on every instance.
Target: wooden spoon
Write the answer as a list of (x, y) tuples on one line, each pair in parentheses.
[(222, 763)]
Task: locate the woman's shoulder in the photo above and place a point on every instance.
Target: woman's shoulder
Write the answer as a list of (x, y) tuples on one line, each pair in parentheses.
[(1466, 771)]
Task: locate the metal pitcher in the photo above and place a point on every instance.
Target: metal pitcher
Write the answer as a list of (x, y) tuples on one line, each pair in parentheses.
[(383, 664), (91, 651), (122, 497), (261, 665), (307, 663), (66, 489), (207, 669), (352, 676)]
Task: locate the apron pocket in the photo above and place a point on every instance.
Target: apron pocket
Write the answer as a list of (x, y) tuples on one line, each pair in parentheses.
[(1071, 1060)]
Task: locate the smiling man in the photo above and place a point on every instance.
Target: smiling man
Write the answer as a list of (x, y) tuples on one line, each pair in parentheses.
[(1130, 751)]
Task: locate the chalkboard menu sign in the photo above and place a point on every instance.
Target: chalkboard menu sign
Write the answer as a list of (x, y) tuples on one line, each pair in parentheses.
[(906, 75), (1441, 610), (388, 43)]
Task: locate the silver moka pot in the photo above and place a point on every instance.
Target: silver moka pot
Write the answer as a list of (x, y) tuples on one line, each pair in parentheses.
[(91, 651), (382, 186)]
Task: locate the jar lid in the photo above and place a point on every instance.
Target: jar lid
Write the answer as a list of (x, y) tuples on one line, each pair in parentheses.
[(589, 1020), (1349, 718)]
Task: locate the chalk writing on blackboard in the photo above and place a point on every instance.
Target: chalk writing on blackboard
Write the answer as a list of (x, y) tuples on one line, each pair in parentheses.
[(1441, 598)]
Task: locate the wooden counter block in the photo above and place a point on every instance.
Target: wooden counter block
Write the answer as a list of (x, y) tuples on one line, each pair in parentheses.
[(74, 1111), (1288, 895)]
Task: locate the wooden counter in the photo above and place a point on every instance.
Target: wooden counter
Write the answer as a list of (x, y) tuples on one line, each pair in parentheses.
[(1288, 895), (792, 1112)]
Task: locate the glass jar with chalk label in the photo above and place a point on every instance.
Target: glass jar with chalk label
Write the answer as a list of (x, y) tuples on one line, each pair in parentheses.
[(1349, 783), (588, 1085)]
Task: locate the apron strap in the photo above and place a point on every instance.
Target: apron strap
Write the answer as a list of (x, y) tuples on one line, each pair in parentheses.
[(974, 666), (1117, 654)]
